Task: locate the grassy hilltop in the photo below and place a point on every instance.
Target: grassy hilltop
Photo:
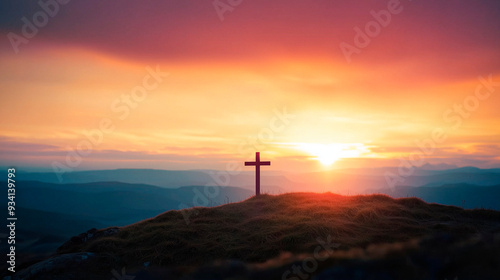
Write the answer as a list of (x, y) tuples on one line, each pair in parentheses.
[(264, 237)]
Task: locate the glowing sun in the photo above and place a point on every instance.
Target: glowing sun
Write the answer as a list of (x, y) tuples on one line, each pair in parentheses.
[(327, 154)]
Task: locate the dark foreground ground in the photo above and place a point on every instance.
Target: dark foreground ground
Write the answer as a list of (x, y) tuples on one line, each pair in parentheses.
[(291, 236)]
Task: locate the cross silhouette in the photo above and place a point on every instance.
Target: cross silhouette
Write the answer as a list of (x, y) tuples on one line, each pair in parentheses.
[(257, 163)]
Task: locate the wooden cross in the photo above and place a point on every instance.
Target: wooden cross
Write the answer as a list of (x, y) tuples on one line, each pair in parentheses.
[(257, 163)]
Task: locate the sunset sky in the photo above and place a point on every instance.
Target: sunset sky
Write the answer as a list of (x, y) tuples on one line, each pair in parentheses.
[(258, 75)]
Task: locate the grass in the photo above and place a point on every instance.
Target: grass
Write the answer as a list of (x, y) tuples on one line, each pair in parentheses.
[(262, 228)]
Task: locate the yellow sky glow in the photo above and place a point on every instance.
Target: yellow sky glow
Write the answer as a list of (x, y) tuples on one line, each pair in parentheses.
[(212, 109)]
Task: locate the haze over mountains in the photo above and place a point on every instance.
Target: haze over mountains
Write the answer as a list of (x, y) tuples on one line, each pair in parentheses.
[(352, 180), (160, 178)]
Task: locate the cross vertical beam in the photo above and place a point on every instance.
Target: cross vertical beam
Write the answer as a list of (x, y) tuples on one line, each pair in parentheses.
[(257, 163)]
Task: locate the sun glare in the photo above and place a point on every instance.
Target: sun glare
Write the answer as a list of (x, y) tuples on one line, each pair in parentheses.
[(327, 154)]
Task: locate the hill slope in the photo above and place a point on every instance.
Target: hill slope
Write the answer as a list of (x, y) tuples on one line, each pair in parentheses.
[(264, 229)]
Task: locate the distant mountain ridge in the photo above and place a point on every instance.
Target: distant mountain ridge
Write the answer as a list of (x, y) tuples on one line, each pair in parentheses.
[(160, 178), (370, 180), (462, 195), (274, 182), (51, 213)]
